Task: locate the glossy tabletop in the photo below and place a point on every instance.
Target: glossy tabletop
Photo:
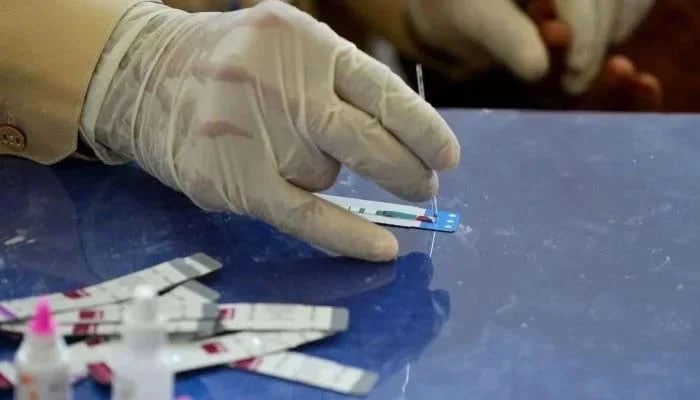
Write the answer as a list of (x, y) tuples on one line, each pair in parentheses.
[(574, 275)]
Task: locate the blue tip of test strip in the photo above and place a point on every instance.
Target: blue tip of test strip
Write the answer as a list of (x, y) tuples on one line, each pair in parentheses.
[(447, 221)]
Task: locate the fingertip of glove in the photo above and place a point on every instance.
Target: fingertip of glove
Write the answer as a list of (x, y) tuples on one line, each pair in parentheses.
[(448, 157), (574, 85), (532, 64), (384, 248)]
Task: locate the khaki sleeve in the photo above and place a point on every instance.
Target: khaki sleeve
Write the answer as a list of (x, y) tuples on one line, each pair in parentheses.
[(49, 51)]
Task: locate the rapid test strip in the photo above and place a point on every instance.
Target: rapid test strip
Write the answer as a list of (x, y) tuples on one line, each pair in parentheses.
[(281, 317), (161, 277), (173, 310), (222, 350), (198, 327), (312, 371), (192, 292), (397, 214)]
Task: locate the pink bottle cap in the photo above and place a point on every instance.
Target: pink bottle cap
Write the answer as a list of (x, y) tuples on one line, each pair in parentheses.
[(43, 324)]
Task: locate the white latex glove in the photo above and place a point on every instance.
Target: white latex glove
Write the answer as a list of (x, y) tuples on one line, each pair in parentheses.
[(479, 33), (253, 110), (596, 25)]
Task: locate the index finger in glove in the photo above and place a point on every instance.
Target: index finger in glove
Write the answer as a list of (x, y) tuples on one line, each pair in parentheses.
[(360, 142), (370, 86), (591, 23)]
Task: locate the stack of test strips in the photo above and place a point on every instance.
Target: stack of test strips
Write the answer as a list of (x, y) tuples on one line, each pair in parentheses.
[(255, 337)]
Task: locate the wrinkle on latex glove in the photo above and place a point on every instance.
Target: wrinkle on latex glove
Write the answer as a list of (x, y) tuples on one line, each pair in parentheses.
[(252, 111)]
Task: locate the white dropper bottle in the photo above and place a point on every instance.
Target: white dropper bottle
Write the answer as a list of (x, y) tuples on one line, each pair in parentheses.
[(43, 361), (141, 370)]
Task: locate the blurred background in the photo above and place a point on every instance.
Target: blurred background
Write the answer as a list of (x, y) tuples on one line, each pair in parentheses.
[(655, 69)]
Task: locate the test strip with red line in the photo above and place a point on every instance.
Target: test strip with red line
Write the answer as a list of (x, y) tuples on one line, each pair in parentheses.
[(173, 310), (189, 301), (398, 214), (201, 327), (312, 371), (161, 277), (282, 317), (222, 350)]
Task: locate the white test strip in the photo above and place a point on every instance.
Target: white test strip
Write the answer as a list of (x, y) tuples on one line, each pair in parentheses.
[(355, 204), (201, 327), (222, 350), (160, 277), (192, 292), (281, 317), (173, 309), (89, 351), (312, 371)]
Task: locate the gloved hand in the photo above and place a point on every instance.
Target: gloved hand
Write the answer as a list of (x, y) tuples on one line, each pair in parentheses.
[(253, 110), (479, 33), (596, 26)]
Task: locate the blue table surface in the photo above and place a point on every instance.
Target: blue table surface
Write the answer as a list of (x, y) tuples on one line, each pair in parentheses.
[(574, 275)]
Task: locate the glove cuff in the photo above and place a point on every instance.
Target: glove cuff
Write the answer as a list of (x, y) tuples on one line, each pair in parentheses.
[(121, 40)]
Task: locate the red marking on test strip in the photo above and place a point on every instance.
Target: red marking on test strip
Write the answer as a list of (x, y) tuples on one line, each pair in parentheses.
[(214, 348), (250, 364), (227, 313), (101, 373), (94, 341), (90, 314), (76, 294), (84, 329), (5, 383)]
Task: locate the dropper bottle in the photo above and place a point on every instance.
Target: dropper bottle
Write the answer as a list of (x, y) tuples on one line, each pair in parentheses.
[(141, 370), (43, 360)]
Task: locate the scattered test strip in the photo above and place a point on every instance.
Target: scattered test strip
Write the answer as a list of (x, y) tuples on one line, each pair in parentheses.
[(113, 313), (161, 277), (222, 350), (282, 317), (312, 371), (397, 214), (201, 327), (290, 366), (192, 292), (265, 331)]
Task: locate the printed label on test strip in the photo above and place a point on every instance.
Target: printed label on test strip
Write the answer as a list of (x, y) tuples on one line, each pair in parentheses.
[(174, 310), (160, 277), (268, 317), (312, 371), (398, 214), (202, 327), (223, 350)]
